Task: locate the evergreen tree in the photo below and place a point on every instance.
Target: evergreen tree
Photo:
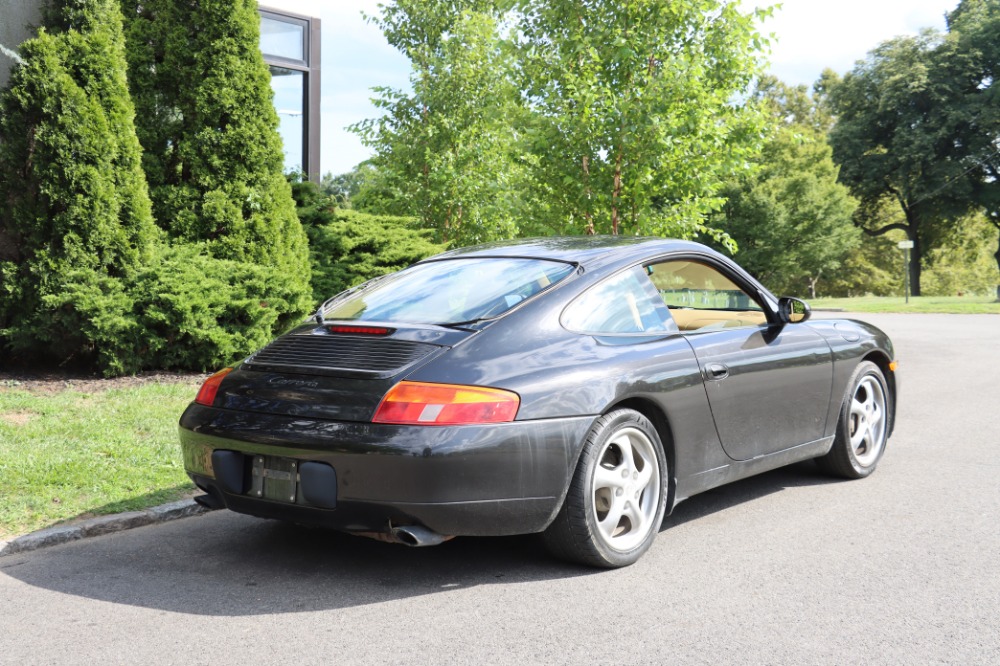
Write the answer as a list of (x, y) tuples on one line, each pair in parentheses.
[(213, 155), (75, 223)]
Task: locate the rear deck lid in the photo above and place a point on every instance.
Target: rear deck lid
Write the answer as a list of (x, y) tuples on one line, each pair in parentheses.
[(332, 371)]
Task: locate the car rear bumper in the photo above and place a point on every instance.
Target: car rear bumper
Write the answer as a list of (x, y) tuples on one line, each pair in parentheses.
[(495, 479)]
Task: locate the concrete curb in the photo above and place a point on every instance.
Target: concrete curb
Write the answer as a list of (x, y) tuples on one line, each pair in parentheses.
[(53, 536)]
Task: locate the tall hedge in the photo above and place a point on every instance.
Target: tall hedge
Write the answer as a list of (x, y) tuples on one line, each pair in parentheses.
[(213, 155), (75, 223)]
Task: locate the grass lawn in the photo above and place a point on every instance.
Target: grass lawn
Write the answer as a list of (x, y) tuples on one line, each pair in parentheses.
[(943, 304), (70, 452)]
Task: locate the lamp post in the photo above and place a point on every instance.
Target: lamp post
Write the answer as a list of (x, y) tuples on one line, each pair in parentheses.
[(905, 246)]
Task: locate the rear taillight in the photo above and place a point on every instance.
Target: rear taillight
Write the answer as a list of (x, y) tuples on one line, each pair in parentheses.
[(420, 403), (206, 394)]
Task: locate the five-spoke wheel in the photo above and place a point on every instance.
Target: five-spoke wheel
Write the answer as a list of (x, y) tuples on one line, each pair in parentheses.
[(627, 488), (615, 504), (863, 427)]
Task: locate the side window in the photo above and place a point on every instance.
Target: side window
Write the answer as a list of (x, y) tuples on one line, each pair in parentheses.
[(700, 297), (623, 304)]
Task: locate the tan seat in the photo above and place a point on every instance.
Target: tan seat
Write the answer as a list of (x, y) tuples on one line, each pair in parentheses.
[(694, 320)]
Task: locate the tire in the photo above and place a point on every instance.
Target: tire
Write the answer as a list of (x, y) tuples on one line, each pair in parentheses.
[(615, 502), (863, 428)]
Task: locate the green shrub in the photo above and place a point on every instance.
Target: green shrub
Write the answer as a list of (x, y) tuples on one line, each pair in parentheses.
[(965, 263), (197, 312), (347, 247), (313, 206), (75, 225)]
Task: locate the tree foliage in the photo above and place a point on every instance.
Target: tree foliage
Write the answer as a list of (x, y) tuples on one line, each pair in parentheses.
[(206, 121), (445, 151), (85, 275), (970, 59), (874, 267), (889, 138), (789, 217), (75, 224), (918, 121), (964, 263), (632, 124), (627, 122)]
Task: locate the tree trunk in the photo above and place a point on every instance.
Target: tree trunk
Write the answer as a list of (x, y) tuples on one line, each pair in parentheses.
[(616, 193), (997, 256), (587, 214), (812, 284), (915, 255), (912, 229)]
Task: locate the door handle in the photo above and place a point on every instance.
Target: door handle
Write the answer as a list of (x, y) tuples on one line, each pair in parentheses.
[(716, 371)]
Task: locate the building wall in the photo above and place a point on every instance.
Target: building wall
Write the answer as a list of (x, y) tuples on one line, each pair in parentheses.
[(17, 18)]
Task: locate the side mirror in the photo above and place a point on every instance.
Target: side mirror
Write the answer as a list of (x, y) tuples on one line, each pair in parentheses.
[(793, 310)]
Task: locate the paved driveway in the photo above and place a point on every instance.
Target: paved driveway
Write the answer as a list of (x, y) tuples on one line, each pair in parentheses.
[(790, 567)]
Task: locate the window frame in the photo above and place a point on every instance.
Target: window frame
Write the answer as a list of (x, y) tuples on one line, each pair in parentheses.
[(309, 65)]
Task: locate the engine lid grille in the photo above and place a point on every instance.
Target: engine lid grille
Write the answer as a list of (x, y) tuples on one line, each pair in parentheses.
[(346, 355)]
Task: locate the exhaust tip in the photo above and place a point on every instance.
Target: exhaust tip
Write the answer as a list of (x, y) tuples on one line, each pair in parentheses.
[(417, 536)]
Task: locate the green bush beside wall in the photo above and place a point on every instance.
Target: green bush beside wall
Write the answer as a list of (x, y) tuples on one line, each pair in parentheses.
[(347, 247)]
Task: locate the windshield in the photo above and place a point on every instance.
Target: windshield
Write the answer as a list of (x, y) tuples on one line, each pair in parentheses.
[(451, 291)]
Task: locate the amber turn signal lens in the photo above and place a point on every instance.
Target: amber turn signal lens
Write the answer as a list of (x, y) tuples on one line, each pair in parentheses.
[(206, 394), (421, 403), (893, 365)]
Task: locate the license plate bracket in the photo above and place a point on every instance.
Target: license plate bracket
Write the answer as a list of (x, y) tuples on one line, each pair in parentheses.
[(274, 478)]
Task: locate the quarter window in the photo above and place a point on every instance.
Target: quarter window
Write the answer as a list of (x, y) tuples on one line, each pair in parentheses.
[(623, 304)]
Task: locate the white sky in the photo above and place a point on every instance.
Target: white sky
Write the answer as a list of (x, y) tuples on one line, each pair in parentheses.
[(810, 36)]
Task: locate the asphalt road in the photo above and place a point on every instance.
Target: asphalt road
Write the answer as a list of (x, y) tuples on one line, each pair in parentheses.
[(787, 568)]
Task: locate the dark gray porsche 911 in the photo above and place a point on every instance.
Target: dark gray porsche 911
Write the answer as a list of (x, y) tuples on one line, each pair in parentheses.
[(578, 387)]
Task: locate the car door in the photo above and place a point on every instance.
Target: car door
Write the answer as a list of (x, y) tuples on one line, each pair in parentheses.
[(768, 384)]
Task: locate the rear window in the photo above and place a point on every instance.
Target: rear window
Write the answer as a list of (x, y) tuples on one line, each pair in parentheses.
[(451, 291)]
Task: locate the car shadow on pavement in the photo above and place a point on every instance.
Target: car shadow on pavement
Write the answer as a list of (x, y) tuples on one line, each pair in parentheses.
[(225, 564), (719, 499)]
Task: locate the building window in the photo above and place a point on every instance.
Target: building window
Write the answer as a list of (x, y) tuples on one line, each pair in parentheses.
[(283, 38), (291, 47)]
